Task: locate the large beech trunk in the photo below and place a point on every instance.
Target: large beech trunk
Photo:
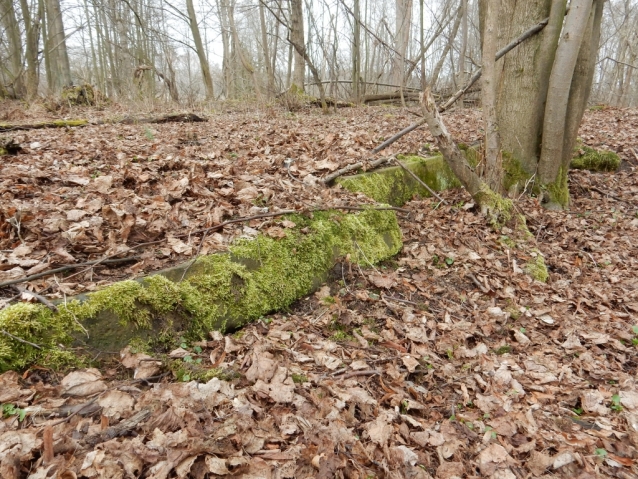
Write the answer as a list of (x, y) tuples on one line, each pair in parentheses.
[(543, 87)]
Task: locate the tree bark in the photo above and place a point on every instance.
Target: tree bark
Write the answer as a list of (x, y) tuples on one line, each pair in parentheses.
[(58, 54), (10, 23), (403, 21), (297, 39), (493, 156), (201, 53), (550, 164), (582, 81), (356, 52), (525, 72), (32, 36), (266, 51)]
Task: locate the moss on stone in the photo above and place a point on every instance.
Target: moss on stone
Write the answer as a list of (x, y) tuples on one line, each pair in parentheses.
[(396, 187), (586, 158), (222, 291), (537, 268), (40, 326), (472, 154)]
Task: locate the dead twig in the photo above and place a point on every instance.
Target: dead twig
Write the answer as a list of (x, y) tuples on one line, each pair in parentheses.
[(480, 285), (40, 298), (392, 298), (68, 267), (20, 340), (367, 372), (354, 167)]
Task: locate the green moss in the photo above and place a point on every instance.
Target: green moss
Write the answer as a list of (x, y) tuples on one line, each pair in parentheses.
[(515, 178), (537, 268), (395, 186), (222, 291), (299, 378), (472, 154), (40, 326), (586, 158), (497, 209), (557, 193), (69, 123), (3, 151)]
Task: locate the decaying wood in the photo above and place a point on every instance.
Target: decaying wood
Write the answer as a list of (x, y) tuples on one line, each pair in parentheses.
[(118, 430), (332, 103), (393, 96), (179, 118), (453, 155)]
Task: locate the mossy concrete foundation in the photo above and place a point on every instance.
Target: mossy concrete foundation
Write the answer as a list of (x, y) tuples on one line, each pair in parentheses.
[(219, 291), (396, 187)]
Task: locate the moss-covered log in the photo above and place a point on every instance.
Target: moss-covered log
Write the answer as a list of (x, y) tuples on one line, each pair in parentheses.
[(221, 291)]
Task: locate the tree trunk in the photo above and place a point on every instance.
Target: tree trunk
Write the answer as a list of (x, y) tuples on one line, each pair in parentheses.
[(463, 54), (32, 35), (264, 47), (14, 66), (242, 57), (551, 171), (201, 53), (58, 54), (493, 156), (525, 73), (356, 52), (297, 39), (403, 21)]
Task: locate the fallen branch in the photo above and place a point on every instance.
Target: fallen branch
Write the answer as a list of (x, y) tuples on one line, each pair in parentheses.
[(500, 54), (180, 118), (67, 267), (118, 430), (421, 182), (354, 167), (40, 298)]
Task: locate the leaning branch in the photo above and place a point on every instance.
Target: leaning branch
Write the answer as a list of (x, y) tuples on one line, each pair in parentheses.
[(500, 54)]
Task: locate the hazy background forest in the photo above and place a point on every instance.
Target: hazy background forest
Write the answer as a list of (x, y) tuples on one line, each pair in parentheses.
[(186, 51)]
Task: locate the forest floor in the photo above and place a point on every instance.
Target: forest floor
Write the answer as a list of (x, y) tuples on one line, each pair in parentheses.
[(447, 361)]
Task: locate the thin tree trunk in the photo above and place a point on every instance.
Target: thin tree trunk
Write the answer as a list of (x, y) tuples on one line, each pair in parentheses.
[(448, 46), (244, 61), (201, 53), (550, 165), (32, 36), (264, 46), (463, 53), (298, 42), (356, 52), (10, 23)]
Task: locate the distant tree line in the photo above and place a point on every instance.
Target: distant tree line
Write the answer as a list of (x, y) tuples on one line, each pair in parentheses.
[(186, 51)]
